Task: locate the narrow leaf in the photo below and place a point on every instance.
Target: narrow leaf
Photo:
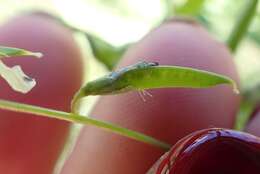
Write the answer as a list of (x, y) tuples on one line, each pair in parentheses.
[(105, 52), (241, 26), (9, 51), (149, 75)]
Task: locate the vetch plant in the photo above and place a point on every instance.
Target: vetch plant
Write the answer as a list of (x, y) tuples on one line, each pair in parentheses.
[(212, 79), (179, 54), (170, 114), (150, 75)]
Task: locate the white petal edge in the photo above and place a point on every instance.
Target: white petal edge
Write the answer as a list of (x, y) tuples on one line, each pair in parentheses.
[(16, 78)]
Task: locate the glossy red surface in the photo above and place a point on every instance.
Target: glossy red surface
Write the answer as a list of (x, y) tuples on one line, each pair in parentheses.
[(214, 151)]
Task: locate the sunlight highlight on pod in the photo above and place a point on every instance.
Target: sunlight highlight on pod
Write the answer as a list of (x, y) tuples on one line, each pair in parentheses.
[(149, 75)]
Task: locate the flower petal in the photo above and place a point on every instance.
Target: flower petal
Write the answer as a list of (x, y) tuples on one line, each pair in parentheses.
[(16, 78)]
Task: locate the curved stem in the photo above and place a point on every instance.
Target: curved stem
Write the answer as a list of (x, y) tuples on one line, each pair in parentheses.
[(75, 102), (242, 24), (75, 118)]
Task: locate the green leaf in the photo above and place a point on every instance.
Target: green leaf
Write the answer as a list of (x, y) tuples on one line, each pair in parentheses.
[(149, 75), (241, 26), (9, 51), (191, 7), (104, 52)]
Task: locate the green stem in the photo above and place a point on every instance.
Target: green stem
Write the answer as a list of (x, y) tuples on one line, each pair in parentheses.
[(75, 118), (245, 111), (242, 24), (75, 102)]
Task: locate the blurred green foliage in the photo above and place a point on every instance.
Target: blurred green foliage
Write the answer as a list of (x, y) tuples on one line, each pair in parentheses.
[(105, 52), (191, 8)]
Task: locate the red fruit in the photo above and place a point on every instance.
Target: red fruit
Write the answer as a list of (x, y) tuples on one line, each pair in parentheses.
[(212, 151), (169, 114), (30, 144)]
